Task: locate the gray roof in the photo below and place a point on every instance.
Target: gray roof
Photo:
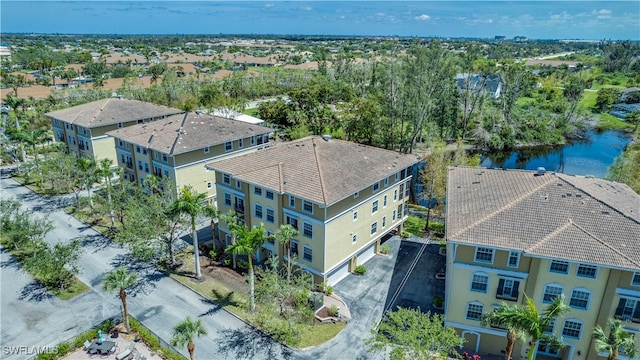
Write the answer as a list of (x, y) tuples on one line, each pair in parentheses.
[(182, 133), (316, 169), (111, 111), (575, 218)]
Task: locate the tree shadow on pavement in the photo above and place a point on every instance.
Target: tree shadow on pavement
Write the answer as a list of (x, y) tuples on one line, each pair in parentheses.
[(148, 274), (98, 242), (34, 292), (11, 262), (247, 343)]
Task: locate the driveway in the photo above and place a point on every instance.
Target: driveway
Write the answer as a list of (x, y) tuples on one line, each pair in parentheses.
[(30, 316)]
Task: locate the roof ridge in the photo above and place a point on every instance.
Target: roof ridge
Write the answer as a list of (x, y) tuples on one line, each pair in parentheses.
[(606, 244), (611, 207), (550, 236), (506, 207), (175, 141), (98, 110), (280, 177), (322, 184)]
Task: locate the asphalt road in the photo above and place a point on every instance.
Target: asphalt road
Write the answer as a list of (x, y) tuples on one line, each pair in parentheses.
[(30, 316)]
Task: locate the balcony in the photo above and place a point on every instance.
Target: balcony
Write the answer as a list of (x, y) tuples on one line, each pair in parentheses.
[(627, 318)]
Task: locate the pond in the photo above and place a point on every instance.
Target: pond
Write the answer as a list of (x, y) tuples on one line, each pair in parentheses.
[(589, 156)]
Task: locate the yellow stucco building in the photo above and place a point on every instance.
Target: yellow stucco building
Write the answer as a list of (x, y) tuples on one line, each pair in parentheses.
[(342, 197), (83, 128), (178, 147), (513, 232)]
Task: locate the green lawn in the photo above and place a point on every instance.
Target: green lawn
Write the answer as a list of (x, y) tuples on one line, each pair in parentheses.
[(610, 122), (251, 112)]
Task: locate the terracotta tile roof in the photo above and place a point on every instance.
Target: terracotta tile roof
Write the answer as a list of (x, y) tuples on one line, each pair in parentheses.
[(182, 133), (110, 111), (315, 169), (553, 215)]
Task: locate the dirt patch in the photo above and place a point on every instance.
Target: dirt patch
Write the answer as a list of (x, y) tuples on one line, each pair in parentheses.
[(212, 271)]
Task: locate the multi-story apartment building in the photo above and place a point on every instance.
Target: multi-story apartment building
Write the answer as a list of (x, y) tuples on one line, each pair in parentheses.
[(178, 147), (342, 197), (84, 128), (513, 232)]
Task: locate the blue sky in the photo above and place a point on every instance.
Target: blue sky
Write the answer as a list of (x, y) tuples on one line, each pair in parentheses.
[(618, 20)]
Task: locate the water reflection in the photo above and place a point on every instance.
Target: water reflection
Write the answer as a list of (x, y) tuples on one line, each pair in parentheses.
[(589, 156)]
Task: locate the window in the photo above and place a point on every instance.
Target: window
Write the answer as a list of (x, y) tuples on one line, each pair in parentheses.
[(294, 247), (548, 350), (384, 201), (226, 179), (572, 328), (560, 267), (307, 206), (374, 228), (209, 185), (580, 299), (253, 140), (356, 194), (551, 292), (269, 195), (292, 221), (396, 176), (393, 216), (165, 158), (376, 187), (514, 259), (386, 182), (270, 215), (228, 146), (588, 271), (307, 230), (227, 199), (406, 190), (139, 165), (239, 205), (484, 254), (144, 151), (474, 311), (257, 191), (628, 310), (551, 326), (508, 289), (354, 238), (206, 149), (240, 143), (119, 125), (238, 184), (479, 282), (384, 222), (292, 201), (395, 195), (374, 207), (401, 189), (307, 253), (355, 215), (636, 279), (258, 211), (137, 149)]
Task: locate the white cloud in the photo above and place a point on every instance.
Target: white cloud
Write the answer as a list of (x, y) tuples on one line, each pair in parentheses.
[(269, 5), (423, 17), (380, 14), (307, 8)]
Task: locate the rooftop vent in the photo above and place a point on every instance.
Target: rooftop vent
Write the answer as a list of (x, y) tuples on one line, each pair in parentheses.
[(199, 112), (541, 171), (327, 137)]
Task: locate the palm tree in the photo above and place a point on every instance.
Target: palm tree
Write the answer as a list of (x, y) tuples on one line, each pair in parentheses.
[(526, 319), (192, 204), (284, 235), (231, 218), (105, 171), (120, 279), (247, 243), (184, 333), (618, 341), (88, 170)]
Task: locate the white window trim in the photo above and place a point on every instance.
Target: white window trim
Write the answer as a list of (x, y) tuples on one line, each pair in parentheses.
[(371, 227), (354, 238), (544, 291), (303, 229), (240, 143), (466, 310), (206, 149), (266, 210), (304, 247), (575, 320), (377, 208), (230, 148), (356, 194), (373, 187), (595, 275), (634, 275), (493, 255), (355, 215), (509, 259), (479, 273), (558, 272), (588, 300), (307, 202)]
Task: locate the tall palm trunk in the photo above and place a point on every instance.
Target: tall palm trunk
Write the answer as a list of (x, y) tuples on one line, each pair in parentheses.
[(288, 245), (123, 297), (196, 252), (532, 350), (191, 347), (511, 341), (252, 302)]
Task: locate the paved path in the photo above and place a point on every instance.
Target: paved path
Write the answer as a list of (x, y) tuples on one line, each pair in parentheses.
[(30, 316)]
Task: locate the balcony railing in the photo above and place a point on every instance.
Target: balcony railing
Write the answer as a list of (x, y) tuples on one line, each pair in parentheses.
[(627, 318)]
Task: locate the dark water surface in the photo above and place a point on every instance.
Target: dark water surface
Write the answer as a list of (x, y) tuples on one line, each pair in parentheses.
[(591, 156)]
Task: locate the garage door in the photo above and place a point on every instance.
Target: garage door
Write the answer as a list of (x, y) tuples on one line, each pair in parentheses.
[(338, 274), (366, 254)]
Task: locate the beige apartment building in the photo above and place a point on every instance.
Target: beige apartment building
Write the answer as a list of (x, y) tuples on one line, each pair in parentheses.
[(178, 147), (342, 197), (515, 232), (84, 128)]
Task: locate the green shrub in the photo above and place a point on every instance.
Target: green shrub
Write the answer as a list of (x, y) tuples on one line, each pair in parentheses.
[(385, 249), (436, 227), (406, 234), (333, 310), (329, 290), (437, 301), (360, 269)]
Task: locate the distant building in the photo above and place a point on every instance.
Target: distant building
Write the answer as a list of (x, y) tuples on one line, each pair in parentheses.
[(490, 85), (520, 38), (622, 110), (500, 37)]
